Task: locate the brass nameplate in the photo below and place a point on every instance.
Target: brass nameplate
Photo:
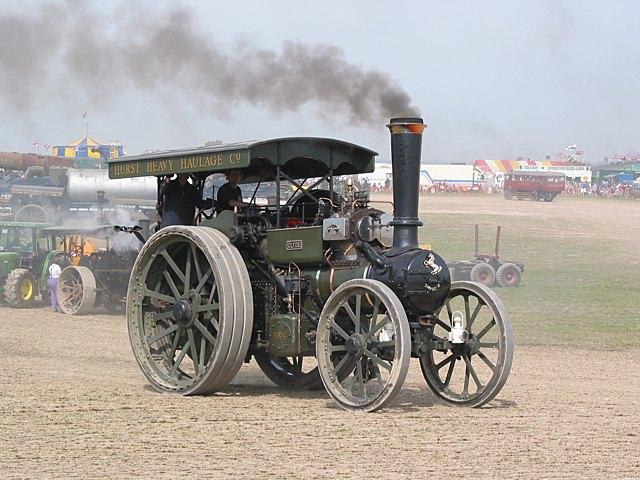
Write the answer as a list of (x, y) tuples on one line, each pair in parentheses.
[(293, 245)]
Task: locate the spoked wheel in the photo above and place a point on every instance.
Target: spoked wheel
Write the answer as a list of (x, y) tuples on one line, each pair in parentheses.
[(76, 290), (296, 373), (32, 213), (363, 345), (473, 372), (189, 310)]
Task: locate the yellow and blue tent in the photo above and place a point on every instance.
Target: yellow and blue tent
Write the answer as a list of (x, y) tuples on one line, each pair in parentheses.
[(88, 148)]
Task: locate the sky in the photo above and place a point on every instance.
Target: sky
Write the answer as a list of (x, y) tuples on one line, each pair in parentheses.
[(492, 79)]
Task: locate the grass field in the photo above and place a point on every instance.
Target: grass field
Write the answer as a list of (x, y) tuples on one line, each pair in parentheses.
[(581, 285)]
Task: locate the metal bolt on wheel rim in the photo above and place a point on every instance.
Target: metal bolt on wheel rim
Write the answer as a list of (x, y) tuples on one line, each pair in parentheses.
[(363, 345), (471, 373), (189, 311)]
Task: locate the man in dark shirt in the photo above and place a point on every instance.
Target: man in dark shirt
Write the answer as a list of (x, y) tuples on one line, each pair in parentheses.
[(179, 200), (229, 194)]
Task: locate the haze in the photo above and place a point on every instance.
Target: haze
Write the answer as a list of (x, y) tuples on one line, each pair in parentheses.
[(493, 79)]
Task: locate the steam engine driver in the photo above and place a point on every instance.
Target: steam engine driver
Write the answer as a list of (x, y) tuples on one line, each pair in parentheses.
[(178, 202), (229, 194)]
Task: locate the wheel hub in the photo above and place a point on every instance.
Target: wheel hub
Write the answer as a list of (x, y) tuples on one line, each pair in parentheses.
[(182, 312), (355, 345)]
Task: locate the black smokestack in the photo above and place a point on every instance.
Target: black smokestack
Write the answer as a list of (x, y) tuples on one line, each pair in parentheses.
[(406, 147), (165, 52)]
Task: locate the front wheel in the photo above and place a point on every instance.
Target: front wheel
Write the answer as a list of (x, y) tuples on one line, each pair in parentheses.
[(363, 345), (470, 373), (20, 288)]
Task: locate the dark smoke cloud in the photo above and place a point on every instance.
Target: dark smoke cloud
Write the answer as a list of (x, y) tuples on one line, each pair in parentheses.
[(58, 47)]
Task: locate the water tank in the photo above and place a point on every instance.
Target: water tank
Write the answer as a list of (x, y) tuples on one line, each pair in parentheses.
[(83, 185)]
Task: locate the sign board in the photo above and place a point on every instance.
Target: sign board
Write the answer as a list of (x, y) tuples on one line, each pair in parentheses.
[(205, 162)]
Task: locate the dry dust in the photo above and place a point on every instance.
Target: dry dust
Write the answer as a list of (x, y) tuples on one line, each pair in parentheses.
[(75, 405)]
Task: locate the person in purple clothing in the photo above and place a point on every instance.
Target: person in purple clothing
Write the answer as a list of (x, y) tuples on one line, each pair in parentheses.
[(52, 282)]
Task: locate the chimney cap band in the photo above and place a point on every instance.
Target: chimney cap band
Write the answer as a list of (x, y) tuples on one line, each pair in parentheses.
[(413, 125)]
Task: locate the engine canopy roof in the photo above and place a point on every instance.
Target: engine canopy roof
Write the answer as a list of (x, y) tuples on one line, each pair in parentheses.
[(298, 158)]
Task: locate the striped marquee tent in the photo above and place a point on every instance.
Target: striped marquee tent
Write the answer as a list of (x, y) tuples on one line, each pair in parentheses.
[(89, 148), (497, 168), (506, 166)]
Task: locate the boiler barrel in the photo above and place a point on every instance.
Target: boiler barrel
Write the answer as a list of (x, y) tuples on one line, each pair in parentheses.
[(83, 185)]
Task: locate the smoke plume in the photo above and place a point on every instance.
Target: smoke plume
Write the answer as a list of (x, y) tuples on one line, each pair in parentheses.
[(57, 47)]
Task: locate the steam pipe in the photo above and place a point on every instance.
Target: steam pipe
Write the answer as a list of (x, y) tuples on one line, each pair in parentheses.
[(406, 147)]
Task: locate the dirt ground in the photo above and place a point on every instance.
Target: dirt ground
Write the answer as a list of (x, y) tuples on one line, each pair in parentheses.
[(75, 405)]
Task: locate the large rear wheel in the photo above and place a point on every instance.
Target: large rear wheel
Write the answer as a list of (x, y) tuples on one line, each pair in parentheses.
[(363, 345), (189, 310), (470, 373)]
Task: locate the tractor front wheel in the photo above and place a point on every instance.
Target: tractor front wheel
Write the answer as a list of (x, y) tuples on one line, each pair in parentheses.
[(20, 288)]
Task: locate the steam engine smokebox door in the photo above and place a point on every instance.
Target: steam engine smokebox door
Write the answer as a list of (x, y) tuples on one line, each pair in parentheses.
[(284, 333), (427, 281)]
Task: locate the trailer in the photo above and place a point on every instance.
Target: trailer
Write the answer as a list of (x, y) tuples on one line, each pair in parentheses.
[(487, 269)]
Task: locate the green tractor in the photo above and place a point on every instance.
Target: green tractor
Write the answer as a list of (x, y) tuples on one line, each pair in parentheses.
[(25, 257)]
